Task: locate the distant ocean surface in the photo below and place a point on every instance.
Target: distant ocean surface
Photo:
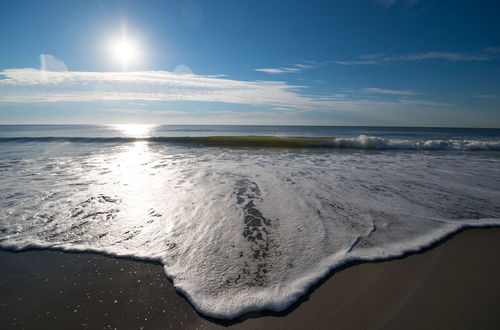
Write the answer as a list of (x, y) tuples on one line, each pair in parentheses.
[(244, 217)]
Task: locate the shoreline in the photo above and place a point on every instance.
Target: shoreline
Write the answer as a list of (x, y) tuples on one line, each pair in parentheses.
[(452, 284)]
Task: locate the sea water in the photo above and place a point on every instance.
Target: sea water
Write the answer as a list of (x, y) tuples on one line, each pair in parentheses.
[(244, 217)]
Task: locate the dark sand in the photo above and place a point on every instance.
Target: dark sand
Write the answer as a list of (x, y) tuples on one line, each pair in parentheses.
[(455, 285)]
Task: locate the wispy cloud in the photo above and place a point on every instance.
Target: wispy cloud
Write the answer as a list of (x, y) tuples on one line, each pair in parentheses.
[(356, 62), (493, 49), (279, 70), (294, 68), (424, 103), (448, 56), (32, 85), (233, 113), (374, 90), (486, 54), (283, 109), (148, 112)]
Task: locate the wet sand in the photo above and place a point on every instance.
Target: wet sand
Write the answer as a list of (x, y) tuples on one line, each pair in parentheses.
[(454, 285)]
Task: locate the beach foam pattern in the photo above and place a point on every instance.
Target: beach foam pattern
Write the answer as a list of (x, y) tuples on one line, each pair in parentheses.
[(241, 229)]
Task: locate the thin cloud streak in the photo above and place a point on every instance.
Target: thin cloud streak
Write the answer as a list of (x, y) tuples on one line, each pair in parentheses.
[(374, 90), (295, 68), (486, 54), (148, 112), (356, 62), (278, 70), (448, 56)]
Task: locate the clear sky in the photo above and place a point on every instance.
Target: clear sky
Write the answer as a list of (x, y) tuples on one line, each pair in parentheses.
[(358, 62)]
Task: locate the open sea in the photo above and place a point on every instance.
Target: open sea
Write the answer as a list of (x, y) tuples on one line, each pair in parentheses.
[(244, 218)]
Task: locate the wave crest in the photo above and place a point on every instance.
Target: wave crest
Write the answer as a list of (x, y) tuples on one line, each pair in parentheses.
[(359, 142), (378, 143)]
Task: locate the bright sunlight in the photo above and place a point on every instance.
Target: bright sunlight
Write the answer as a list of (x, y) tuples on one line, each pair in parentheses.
[(125, 51)]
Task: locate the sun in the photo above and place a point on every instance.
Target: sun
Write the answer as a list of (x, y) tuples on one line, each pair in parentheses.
[(125, 52)]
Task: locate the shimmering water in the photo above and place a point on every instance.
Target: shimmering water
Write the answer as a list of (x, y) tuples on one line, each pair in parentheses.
[(241, 226)]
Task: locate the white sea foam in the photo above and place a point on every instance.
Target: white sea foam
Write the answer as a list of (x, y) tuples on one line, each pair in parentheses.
[(380, 143), (240, 230)]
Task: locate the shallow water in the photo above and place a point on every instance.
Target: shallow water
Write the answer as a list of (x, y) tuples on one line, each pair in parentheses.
[(241, 229)]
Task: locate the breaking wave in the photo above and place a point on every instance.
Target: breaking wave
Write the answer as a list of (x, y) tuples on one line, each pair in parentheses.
[(359, 142), (371, 142)]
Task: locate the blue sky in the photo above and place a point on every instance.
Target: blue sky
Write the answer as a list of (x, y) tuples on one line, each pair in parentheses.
[(360, 62)]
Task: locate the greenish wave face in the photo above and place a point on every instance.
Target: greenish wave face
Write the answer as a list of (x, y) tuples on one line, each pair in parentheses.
[(362, 142), (250, 141)]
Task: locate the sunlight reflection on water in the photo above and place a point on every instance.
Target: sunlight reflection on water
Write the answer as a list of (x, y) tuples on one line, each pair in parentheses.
[(134, 130)]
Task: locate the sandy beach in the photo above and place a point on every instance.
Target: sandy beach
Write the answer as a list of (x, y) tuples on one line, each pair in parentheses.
[(453, 285)]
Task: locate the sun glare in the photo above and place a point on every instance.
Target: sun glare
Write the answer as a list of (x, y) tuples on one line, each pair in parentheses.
[(125, 52), (134, 130)]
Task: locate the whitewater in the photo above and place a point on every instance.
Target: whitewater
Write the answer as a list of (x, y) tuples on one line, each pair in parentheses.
[(249, 220)]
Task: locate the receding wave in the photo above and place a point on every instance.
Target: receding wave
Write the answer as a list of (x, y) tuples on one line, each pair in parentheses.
[(247, 229), (359, 142)]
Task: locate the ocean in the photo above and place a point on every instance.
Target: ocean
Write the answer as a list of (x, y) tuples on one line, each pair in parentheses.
[(244, 218)]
